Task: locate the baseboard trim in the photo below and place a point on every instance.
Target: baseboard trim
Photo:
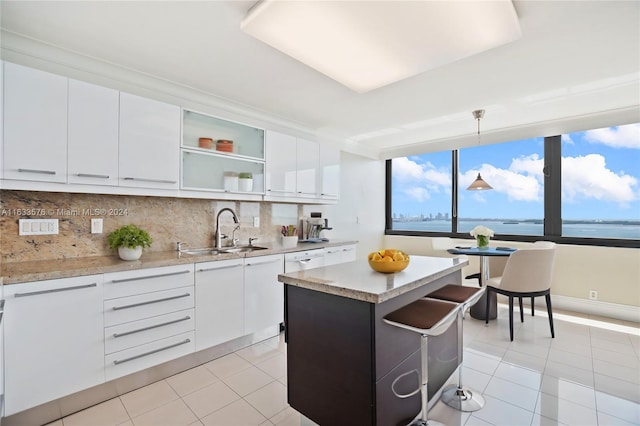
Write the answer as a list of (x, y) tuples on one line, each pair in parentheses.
[(591, 307)]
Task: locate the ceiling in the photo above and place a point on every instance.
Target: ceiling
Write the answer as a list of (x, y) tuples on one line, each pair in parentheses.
[(576, 64)]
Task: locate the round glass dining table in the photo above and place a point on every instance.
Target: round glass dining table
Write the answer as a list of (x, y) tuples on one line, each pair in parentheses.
[(478, 311)]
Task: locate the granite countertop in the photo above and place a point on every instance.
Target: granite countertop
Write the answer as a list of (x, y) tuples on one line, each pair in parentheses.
[(356, 280), (20, 272)]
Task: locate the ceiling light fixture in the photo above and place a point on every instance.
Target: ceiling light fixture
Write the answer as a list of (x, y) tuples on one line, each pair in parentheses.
[(365, 45), (479, 184)]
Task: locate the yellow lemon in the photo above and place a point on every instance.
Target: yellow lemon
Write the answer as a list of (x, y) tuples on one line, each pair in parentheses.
[(387, 259)]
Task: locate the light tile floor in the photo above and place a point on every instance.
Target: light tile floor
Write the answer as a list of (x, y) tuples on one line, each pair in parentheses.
[(588, 375)]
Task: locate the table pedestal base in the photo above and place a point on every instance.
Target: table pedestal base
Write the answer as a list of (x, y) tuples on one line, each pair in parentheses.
[(477, 311)]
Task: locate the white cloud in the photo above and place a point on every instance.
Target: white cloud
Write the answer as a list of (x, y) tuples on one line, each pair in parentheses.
[(522, 181), (566, 138), (587, 177), (421, 179), (616, 137), (417, 193)]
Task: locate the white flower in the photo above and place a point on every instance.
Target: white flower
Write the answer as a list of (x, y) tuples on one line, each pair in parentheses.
[(481, 230)]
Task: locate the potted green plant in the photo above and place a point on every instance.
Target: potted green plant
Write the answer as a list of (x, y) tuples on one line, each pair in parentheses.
[(129, 240)]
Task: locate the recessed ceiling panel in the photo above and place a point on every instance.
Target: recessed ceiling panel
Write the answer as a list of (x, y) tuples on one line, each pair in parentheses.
[(369, 44)]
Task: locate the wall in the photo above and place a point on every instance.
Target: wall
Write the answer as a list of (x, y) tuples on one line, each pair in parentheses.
[(191, 221), (168, 220), (613, 272)]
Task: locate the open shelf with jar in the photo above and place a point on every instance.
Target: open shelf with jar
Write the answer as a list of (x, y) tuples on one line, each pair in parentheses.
[(221, 156), (211, 134), (210, 172)]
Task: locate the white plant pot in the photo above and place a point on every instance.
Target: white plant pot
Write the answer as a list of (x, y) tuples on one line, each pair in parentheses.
[(289, 242), (126, 253)]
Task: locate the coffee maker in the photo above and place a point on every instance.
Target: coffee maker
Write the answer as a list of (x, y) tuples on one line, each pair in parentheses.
[(311, 226)]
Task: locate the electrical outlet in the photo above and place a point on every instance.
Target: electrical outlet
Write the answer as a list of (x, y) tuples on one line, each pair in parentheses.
[(593, 295), (256, 221), (96, 226)]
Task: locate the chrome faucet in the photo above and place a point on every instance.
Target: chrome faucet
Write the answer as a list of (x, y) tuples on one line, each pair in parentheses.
[(218, 235)]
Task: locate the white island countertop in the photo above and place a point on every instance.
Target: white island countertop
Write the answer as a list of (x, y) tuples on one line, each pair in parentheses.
[(356, 280)]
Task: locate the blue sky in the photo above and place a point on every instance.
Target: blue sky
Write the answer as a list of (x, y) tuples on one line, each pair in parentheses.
[(601, 178)]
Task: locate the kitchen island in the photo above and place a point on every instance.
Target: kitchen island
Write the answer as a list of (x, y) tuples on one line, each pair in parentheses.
[(341, 356)]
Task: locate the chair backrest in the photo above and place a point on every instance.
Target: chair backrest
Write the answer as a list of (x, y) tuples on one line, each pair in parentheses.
[(531, 269)]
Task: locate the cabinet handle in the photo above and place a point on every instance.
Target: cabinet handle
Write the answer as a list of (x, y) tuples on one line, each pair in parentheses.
[(126, 333), (169, 274), (282, 191), (151, 180), (90, 175), (325, 194), (149, 302), (263, 263), (307, 193), (217, 268), (42, 172), (131, 358), (54, 290)]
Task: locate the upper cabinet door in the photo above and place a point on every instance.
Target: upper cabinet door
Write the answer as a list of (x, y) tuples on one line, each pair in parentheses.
[(93, 134), (281, 164), (329, 172), (308, 160), (35, 125), (149, 152)]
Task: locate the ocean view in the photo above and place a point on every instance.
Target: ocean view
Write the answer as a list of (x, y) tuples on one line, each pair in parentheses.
[(514, 227)]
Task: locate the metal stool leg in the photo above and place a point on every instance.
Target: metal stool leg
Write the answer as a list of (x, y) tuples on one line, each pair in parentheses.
[(422, 419), (460, 397)]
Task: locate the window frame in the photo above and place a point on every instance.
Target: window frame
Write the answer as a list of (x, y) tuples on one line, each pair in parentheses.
[(552, 228)]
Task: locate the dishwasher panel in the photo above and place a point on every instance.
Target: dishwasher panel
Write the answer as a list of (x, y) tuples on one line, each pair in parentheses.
[(303, 260)]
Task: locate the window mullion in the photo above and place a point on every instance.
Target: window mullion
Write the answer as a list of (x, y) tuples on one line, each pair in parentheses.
[(552, 186)]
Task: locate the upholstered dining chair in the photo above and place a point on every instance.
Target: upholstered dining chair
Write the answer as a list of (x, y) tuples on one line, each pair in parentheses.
[(527, 273)]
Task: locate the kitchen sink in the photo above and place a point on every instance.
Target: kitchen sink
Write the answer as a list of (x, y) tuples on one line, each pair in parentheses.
[(213, 251), (241, 249), (201, 252)]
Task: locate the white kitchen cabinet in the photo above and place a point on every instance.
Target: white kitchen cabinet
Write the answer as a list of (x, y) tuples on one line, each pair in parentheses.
[(149, 148), (281, 155), (93, 134), (307, 164), (148, 318), (329, 172), (35, 124), (263, 293), (339, 254), (53, 340), (219, 302)]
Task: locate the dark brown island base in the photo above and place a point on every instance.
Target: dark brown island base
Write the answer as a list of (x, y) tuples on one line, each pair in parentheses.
[(342, 358)]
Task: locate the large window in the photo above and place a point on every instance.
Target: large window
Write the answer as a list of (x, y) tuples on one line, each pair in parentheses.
[(601, 183), (592, 192), (421, 188), (515, 206)]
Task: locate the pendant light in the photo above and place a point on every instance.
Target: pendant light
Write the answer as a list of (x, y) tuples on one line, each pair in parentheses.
[(479, 184)]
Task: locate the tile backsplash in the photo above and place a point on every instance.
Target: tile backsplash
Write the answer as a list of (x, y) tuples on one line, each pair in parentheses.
[(168, 220)]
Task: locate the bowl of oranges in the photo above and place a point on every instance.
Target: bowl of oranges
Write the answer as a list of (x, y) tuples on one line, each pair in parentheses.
[(388, 261)]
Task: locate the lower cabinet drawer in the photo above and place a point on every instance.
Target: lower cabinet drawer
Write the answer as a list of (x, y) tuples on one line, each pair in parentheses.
[(131, 334), (144, 356), (141, 306)]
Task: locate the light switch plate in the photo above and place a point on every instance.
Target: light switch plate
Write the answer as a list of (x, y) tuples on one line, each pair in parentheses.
[(96, 226), (38, 227)]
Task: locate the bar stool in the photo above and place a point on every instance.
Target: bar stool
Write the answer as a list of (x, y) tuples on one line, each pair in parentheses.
[(429, 318), (459, 397)]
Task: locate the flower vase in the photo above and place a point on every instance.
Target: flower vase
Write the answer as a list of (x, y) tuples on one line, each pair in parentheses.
[(483, 242)]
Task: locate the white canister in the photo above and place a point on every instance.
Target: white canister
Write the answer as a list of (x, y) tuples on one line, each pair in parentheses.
[(245, 182), (231, 181), (289, 241)]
